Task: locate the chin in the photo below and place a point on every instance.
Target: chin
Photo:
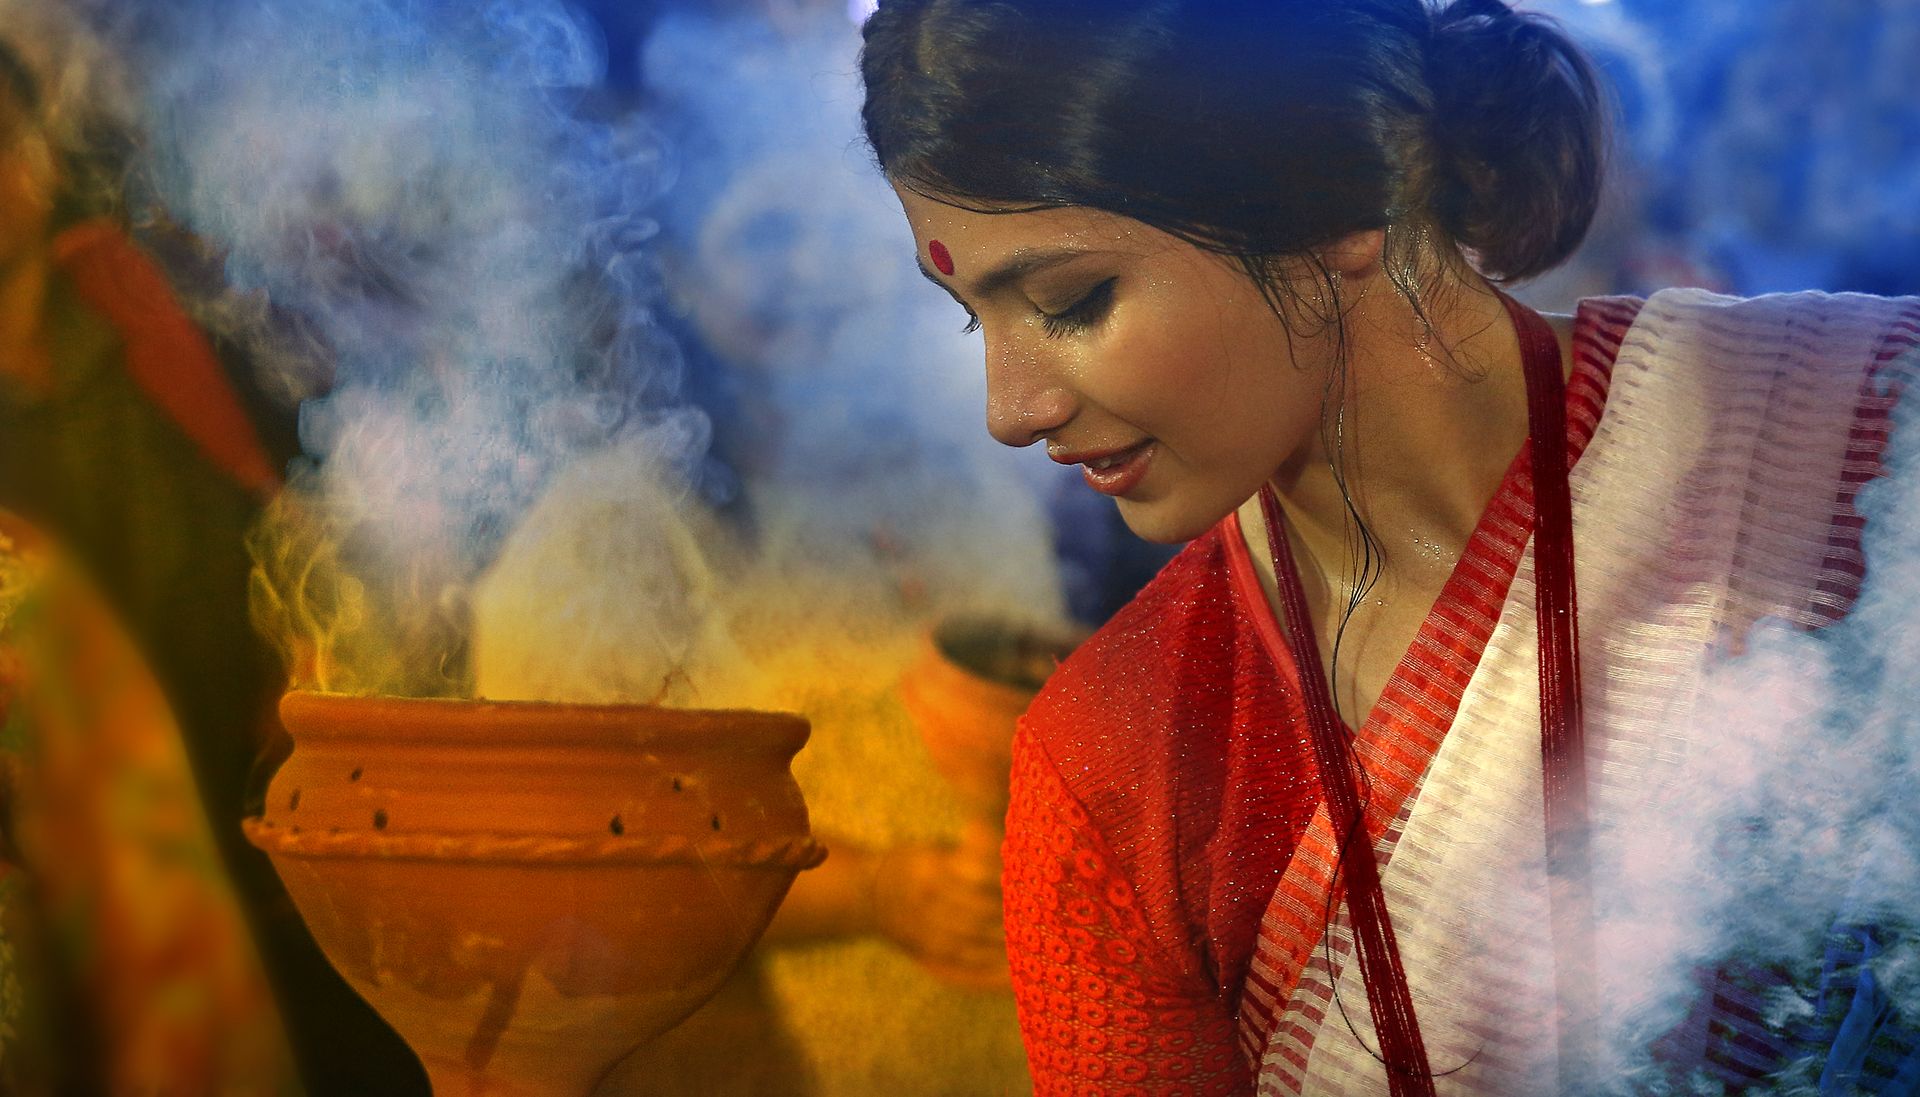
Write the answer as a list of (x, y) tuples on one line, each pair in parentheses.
[(1164, 522)]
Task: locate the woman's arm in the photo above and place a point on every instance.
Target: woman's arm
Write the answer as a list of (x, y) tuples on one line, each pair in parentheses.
[(1103, 1008), (937, 903)]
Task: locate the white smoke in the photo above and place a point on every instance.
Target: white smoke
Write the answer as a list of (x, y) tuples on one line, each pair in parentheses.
[(1795, 815), (420, 186), (877, 500)]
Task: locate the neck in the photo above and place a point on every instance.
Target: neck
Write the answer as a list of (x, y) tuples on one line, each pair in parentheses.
[(1424, 440), (24, 286)]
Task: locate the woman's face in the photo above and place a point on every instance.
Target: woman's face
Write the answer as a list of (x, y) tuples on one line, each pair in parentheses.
[(1156, 366)]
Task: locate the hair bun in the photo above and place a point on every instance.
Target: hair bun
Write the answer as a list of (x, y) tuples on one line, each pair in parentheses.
[(1519, 134)]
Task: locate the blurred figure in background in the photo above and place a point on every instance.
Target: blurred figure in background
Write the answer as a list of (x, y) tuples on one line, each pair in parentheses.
[(884, 972), (1762, 148), (1796, 151), (125, 966), (126, 436)]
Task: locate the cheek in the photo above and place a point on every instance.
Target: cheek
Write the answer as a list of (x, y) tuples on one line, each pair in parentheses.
[(1149, 371), (1199, 385), (1247, 370), (1201, 363)]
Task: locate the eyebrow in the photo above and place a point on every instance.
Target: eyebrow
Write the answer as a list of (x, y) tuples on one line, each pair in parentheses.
[(1022, 265)]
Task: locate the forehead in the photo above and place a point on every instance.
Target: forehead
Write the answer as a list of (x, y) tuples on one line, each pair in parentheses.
[(982, 233)]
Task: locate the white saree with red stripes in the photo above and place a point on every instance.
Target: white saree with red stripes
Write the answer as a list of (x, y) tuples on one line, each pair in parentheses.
[(1716, 491)]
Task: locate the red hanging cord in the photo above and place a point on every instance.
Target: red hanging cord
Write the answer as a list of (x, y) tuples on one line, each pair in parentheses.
[(1562, 741), (1408, 1074), (1563, 753)]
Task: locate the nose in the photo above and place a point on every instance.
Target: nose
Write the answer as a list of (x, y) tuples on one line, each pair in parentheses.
[(1027, 398)]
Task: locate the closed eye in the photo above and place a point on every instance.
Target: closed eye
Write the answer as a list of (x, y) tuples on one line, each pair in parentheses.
[(1082, 314)]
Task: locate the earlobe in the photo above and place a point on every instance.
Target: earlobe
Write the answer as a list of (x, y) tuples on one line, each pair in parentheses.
[(1354, 255)]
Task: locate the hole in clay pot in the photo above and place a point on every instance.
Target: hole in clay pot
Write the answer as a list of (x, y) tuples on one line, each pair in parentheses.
[(355, 775), (293, 802), (676, 784), (617, 826), (716, 822), (380, 819)]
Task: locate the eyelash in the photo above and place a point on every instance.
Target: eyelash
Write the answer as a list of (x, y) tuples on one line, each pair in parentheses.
[(1082, 314)]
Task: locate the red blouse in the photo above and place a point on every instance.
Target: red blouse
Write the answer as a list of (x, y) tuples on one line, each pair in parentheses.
[(1164, 778)]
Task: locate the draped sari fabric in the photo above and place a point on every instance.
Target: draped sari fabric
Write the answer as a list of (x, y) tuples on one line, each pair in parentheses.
[(125, 964), (1705, 502), (1170, 912)]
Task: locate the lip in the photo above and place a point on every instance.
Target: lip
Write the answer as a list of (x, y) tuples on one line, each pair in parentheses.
[(1083, 456), (1120, 477)]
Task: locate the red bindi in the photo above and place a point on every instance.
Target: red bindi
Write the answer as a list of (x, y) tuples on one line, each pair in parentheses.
[(942, 258)]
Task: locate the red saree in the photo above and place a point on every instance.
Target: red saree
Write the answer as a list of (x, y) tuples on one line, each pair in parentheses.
[(1166, 894), (1164, 783)]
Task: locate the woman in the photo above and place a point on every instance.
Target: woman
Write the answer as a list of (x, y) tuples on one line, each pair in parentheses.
[(1240, 262), (125, 433), (125, 967)]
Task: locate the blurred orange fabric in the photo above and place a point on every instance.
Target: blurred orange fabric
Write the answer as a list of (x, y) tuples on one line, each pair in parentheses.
[(125, 966)]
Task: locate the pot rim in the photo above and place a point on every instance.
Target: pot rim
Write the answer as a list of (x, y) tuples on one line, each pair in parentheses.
[(941, 657), (795, 852), (311, 716)]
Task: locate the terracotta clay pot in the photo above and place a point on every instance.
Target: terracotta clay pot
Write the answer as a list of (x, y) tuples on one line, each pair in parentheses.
[(527, 892), (973, 680)]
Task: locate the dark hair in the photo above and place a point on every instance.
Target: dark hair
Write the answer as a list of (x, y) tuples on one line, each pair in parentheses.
[(1256, 129)]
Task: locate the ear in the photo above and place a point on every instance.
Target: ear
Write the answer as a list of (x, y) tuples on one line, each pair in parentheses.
[(1356, 255)]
